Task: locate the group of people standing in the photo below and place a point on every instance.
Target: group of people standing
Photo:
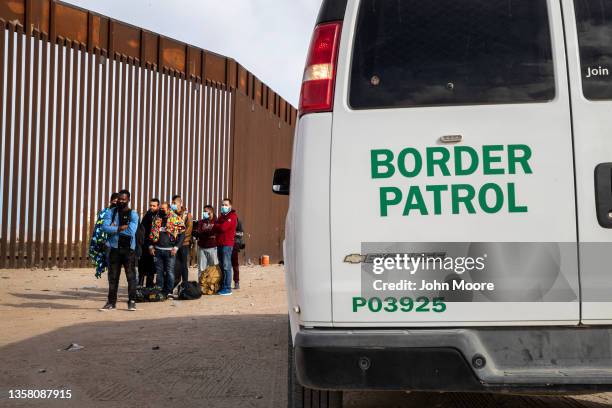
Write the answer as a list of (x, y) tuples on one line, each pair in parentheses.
[(160, 244)]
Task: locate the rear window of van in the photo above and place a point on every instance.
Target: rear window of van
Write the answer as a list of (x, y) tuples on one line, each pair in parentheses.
[(446, 52), (594, 19)]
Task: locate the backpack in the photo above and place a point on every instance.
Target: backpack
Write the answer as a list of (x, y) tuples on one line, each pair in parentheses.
[(239, 237), (144, 294), (210, 281), (191, 291)]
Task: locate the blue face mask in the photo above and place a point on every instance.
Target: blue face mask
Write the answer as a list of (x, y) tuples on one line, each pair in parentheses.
[(205, 215), (174, 207), (225, 210)]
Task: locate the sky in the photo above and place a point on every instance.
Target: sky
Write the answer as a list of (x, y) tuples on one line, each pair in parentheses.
[(268, 37)]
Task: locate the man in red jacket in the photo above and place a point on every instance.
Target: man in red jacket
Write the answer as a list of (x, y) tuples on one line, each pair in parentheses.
[(225, 230)]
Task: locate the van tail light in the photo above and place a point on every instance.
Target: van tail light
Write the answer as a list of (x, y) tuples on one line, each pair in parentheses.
[(317, 94)]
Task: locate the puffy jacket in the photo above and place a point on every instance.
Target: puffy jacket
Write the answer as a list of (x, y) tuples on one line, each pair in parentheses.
[(168, 231), (205, 234), (225, 228)]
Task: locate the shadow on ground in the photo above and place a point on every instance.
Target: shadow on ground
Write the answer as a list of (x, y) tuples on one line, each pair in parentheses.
[(72, 294), (45, 305), (49, 300), (219, 361), (205, 361), (462, 400)]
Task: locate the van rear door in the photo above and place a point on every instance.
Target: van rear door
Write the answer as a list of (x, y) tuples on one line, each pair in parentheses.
[(452, 140), (589, 45)]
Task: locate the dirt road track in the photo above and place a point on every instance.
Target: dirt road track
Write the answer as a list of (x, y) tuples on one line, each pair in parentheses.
[(215, 352)]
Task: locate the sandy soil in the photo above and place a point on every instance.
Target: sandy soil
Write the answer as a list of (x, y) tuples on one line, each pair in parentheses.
[(213, 352)]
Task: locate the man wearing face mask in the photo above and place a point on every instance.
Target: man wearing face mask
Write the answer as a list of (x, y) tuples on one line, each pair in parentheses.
[(182, 256), (207, 242), (146, 268), (166, 237), (120, 224), (225, 230)]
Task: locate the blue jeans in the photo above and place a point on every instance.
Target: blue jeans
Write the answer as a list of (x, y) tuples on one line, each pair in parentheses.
[(225, 262), (164, 267)]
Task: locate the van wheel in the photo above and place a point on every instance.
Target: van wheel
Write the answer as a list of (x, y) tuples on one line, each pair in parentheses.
[(302, 397)]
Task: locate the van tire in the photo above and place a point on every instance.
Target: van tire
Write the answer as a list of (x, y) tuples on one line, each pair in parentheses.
[(302, 397)]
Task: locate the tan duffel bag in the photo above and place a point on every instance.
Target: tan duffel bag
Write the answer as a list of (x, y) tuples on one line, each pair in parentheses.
[(210, 281)]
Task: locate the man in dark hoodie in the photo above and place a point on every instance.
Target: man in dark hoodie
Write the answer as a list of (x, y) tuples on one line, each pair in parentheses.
[(146, 267), (207, 242), (167, 235), (225, 230)]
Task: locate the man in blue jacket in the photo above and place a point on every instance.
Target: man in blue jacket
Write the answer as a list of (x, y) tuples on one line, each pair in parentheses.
[(121, 224)]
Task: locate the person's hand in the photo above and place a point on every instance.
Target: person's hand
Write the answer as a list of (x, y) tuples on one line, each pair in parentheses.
[(152, 251), (173, 251), (123, 228)]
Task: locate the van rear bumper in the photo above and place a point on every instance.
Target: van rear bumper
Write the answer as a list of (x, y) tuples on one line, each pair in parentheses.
[(493, 359)]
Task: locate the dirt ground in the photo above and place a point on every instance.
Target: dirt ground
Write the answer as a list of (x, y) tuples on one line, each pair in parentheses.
[(213, 352)]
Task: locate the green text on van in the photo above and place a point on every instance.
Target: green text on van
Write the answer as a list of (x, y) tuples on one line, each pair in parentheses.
[(490, 160)]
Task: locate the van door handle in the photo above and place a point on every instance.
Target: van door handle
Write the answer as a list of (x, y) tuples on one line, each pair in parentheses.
[(451, 139), (603, 194)]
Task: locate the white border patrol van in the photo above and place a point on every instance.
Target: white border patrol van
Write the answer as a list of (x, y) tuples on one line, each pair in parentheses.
[(450, 217)]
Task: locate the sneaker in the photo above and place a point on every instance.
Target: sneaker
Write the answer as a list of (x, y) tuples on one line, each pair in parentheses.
[(132, 306), (107, 307), (236, 285), (225, 292), (170, 296)]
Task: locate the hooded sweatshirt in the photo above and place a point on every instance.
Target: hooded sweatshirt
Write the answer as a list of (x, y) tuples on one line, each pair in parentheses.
[(225, 228), (206, 236)]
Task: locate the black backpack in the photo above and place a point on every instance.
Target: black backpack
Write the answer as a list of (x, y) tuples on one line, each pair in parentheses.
[(144, 294), (239, 237), (191, 291)]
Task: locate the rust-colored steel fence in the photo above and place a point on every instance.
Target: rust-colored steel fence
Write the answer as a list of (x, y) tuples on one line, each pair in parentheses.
[(90, 105)]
